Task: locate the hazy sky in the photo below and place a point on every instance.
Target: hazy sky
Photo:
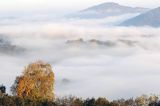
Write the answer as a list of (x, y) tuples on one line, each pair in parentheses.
[(66, 5)]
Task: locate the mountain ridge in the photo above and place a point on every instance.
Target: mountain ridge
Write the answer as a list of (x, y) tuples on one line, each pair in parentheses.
[(150, 18), (107, 9)]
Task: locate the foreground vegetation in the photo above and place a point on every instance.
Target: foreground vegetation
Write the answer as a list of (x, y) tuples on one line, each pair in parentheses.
[(6, 100), (35, 87)]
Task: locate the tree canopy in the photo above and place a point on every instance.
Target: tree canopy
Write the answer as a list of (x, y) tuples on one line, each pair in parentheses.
[(36, 82)]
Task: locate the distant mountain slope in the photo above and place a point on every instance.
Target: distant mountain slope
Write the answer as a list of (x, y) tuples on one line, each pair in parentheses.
[(150, 18), (106, 10)]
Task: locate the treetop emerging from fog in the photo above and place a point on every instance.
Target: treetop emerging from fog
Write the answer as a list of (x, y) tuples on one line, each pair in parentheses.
[(36, 82)]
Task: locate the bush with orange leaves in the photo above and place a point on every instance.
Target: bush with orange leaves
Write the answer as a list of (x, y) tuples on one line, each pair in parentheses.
[(35, 83)]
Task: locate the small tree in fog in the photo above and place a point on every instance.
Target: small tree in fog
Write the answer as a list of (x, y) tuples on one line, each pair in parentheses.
[(142, 100), (101, 102)]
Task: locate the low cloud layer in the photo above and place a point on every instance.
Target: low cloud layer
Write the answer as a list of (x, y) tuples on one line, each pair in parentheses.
[(87, 69)]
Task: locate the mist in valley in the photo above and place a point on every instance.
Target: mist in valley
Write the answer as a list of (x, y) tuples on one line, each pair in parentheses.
[(89, 57)]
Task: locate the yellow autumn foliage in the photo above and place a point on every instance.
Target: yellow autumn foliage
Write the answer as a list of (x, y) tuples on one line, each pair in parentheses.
[(36, 82)]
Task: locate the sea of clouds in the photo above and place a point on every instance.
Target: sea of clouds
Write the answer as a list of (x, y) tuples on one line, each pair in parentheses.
[(128, 68)]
